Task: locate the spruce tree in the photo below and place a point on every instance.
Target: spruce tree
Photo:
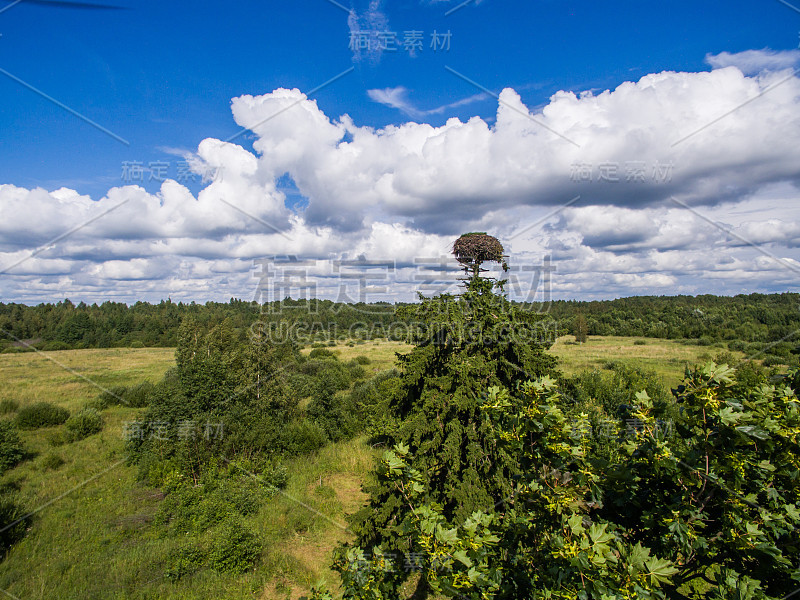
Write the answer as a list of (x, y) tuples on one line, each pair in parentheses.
[(464, 345)]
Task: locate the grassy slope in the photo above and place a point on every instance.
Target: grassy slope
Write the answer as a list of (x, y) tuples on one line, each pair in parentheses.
[(96, 542)]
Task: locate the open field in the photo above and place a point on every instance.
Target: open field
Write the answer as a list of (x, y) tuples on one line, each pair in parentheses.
[(381, 353), (93, 538), (71, 377), (667, 358)]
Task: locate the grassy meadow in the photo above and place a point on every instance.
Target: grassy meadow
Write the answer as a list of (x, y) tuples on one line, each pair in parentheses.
[(91, 536), (667, 358)]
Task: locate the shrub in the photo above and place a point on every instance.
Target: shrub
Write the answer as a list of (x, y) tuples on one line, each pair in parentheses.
[(110, 397), (639, 343), (737, 346), (334, 377), (355, 370), (771, 360), (184, 561), (82, 424), (235, 549), (10, 512), (8, 406), (705, 340), (322, 353), (55, 346), (11, 451), (361, 359), (52, 461), (138, 396), (304, 436), (41, 414), (136, 344)]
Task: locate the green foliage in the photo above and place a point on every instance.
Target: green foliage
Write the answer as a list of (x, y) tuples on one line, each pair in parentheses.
[(136, 396), (464, 345), (235, 549), (318, 353), (369, 401), (8, 406), (712, 512), (580, 329), (223, 490), (110, 397), (11, 449), (15, 522), (328, 410), (183, 562), (41, 414), (304, 436), (55, 346), (52, 461), (82, 424), (746, 322)]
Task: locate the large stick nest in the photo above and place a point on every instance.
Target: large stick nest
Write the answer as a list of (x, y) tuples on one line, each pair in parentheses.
[(475, 248)]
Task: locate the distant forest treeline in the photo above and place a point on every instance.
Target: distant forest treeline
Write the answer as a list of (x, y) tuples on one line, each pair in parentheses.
[(750, 323)]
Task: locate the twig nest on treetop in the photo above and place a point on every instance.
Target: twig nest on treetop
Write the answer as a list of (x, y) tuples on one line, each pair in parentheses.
[(473, 248)]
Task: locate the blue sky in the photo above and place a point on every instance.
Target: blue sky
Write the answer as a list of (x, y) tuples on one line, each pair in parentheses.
[(161, 77)]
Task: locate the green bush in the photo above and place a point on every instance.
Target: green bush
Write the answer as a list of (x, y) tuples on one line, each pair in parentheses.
[(322, 353), (304, 436), (52, 461), (11, 450), (41, 414), (136, 344), (110, 397), (138, 396), (55, 346), (235, 549), (639, 343), (192, 506), (11, 512), (369, 401), (8, 406), (184, 561), (82, 424), (737, 346), (361, 359), (355, 370), (772, 360)]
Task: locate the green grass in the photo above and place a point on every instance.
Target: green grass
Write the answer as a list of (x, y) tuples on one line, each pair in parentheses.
[(381, 353), (61, 377), (95, 540), (668, 358), (92, 537)]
